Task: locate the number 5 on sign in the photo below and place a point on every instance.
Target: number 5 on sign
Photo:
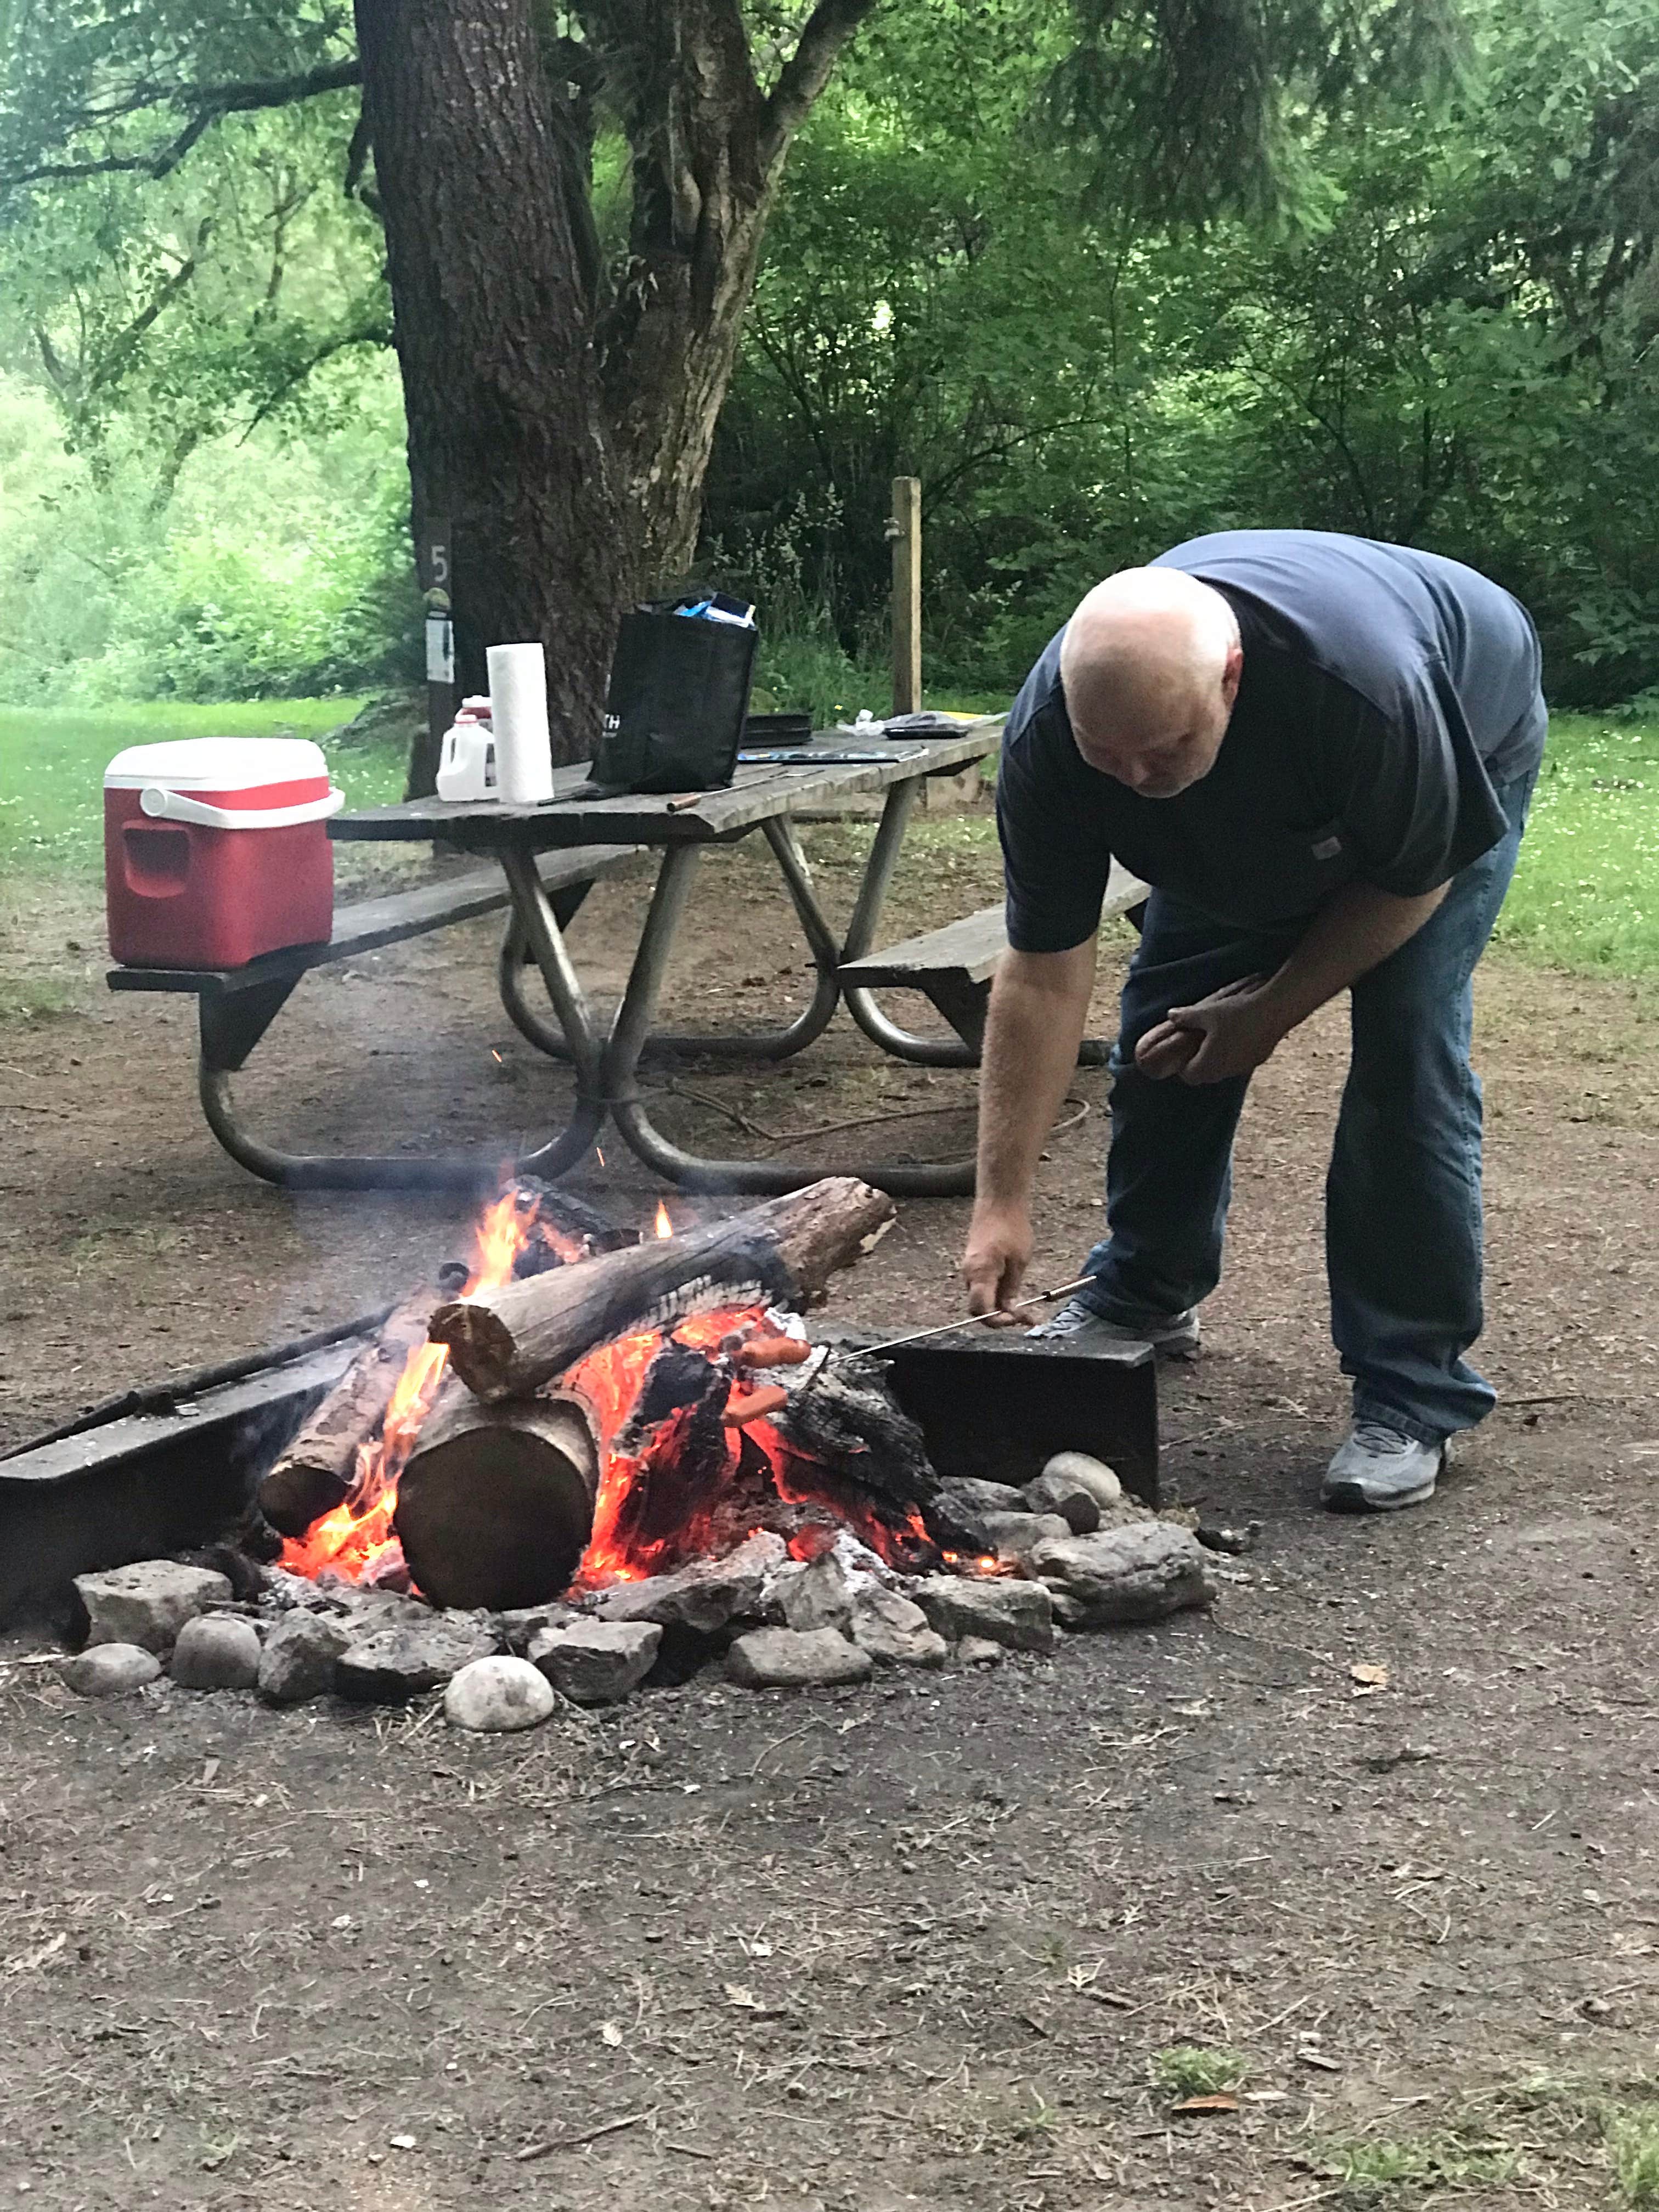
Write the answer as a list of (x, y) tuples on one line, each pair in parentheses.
[(439, 630)]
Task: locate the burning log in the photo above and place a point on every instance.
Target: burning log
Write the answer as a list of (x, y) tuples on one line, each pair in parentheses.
[(315, 1472), (505, 1343), (496, 1504)]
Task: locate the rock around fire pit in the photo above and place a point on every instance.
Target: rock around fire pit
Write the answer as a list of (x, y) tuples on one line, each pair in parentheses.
[(773, 1621)]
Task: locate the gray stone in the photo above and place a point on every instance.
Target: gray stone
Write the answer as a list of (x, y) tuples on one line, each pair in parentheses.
[(893, 1630), (1123, 1575), (596, 1663), (1008, 1610), (298, 1659), (704, 1596), (968, 1494), (1093, 1474), (1075, 1502), (1014, 1536), (793, 1659), (148, 1603), (216, 1652), (520, 1624), (494, 1696), (105, 1670), (818, 1597), (392, 1664), (979, 1651)]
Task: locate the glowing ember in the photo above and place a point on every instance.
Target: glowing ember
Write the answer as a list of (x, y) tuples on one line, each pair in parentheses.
[(610, 1379)]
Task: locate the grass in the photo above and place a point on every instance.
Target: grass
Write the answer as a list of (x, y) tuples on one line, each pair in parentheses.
[(1524, 2136), (1446, 2160), (1633, 2139), (1196, 2070), (52, 763), (1586, 895)]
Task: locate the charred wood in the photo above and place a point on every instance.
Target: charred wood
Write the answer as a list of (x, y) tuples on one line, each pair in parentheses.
[(496, 1506)]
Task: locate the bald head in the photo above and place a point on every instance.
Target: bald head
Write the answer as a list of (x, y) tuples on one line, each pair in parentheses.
[(1150, 665)]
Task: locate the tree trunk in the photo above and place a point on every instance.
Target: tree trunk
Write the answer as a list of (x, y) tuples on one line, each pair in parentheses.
[(703, 186), (506, 1343), (566, 442), (486, 252)]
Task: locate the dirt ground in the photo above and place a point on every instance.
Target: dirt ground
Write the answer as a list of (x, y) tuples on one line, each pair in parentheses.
[(953, 1942)]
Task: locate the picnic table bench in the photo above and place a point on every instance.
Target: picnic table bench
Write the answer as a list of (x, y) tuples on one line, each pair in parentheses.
[(953, 967), (236, 1005)]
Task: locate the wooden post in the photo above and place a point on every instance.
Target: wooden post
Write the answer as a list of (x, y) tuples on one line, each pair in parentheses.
[(905, 530)]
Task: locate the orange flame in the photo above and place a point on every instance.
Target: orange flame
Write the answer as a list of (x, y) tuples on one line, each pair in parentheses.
[(665, 1226), (356, 1541)]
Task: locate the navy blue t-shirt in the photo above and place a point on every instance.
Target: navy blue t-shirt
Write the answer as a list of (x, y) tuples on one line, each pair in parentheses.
[(1386, 695)]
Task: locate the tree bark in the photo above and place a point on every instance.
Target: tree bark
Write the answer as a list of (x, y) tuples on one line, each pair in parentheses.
[(507, 1343), (485, 228), (561, 423)]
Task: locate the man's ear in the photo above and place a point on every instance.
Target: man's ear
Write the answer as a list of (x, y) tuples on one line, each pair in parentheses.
[(1232, 675)]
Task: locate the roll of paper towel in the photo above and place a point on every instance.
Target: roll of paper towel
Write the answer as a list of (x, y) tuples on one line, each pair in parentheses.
[(518, 700)]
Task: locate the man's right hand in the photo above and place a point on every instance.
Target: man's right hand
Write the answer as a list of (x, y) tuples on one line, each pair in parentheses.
[(994, 1263)]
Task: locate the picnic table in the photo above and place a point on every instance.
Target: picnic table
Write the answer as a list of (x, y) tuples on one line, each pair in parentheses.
[(542, 862), (677, 830)]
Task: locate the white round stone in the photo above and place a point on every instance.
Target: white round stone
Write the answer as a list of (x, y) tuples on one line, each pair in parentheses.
[(492, 1695), (1093, 1474)]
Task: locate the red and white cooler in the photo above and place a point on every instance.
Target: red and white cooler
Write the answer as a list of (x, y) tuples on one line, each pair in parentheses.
[(215, 850)]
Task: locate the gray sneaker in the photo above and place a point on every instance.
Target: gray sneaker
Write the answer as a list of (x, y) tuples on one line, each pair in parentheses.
[(1080, 1328), (1378, 1470)]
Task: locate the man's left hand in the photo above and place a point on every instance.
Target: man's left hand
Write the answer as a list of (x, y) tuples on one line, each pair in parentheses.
[(1227, 1033)]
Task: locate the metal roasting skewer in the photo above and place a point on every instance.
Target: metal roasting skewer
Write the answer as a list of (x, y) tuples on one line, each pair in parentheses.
[(944, 1328)]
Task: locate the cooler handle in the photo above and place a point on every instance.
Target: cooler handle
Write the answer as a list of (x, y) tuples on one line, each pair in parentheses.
[(174, 807)]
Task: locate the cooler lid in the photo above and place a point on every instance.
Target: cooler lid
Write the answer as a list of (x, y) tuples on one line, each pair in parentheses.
[(217, 764)]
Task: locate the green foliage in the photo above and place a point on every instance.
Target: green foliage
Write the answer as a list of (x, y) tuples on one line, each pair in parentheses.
[(1451, 344), (276, 565)]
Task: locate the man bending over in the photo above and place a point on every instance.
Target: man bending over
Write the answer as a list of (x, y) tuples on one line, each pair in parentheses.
[(1319, 751)]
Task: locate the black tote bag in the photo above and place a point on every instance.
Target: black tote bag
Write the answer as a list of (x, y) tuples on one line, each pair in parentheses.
[(678, 698)]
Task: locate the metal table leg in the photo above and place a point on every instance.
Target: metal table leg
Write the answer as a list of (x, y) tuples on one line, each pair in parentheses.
[(691, 1171), (232, 1023), (901, 1043), (740, 1044)]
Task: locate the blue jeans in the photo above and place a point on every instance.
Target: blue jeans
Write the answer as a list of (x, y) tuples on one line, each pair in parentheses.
[(1402, 1198)]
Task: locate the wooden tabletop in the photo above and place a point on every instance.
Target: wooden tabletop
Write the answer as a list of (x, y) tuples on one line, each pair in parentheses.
[(753, 796)]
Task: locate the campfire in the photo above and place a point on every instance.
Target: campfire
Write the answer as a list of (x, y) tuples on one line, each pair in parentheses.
[(661, 1444)]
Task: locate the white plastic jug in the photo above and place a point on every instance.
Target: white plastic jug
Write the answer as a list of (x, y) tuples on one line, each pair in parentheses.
[(466, 758)]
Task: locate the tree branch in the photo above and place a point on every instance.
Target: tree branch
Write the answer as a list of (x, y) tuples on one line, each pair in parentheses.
[(806, 72), (204, 105), (375, 334)]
